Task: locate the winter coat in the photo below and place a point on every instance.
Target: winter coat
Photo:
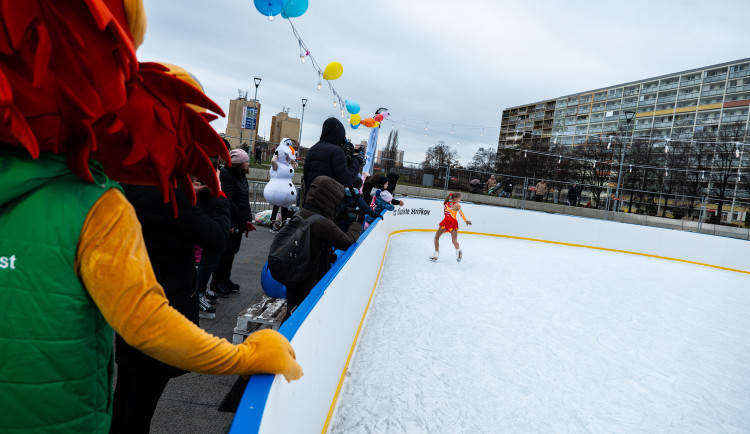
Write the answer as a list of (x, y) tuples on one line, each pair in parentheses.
[(541, 188), (574, 191), (327, 158), (380, 206), (234, 185), (350, 207), (323, 197), (491, 183), (170, 243)]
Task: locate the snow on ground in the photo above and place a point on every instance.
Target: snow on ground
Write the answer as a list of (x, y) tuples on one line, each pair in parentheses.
[(525, 336)]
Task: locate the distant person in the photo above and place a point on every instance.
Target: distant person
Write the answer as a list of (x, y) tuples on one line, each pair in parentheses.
[(451, 207), (508, 188), (258, 154), (332, 156), (323, 197), (574, 194), (491, 184), (541, 191)]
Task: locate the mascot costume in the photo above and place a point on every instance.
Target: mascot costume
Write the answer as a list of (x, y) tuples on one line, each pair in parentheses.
[(79, 113), (280, 190)]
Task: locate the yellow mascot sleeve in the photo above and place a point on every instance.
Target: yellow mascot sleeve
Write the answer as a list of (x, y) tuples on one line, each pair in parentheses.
[(113, 264)]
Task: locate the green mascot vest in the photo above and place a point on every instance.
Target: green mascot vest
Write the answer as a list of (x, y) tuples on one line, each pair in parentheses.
[(56, 361)]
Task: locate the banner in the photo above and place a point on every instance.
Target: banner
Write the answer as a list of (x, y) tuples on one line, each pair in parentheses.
[(372, 144), (249, 117)]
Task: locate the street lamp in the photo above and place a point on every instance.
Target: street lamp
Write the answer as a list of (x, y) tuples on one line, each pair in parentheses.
[(257, 83), (304, 101), (629, 115)]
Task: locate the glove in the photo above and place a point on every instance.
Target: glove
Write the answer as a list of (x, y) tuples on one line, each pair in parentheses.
[(270, 352), (359, 218), (249, 228), (360, 158)]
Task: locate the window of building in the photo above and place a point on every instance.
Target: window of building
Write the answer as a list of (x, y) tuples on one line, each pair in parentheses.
[(711, 100)]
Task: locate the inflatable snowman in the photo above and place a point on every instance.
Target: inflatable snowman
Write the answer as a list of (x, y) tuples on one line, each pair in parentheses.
[(280, 190)]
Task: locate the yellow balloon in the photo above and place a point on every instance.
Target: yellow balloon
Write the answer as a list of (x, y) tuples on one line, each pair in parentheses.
[(333, 71), (377, 124), (355, 119)]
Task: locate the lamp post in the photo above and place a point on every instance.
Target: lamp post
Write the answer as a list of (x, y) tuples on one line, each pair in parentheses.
[(629, 115), (304, 101), (257, 83)]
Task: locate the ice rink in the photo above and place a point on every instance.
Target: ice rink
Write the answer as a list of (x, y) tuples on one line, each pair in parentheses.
[(525, 336)]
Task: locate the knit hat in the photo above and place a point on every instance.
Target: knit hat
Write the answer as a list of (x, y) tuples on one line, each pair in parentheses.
[(381, 182), (357, 183), (238, 156)]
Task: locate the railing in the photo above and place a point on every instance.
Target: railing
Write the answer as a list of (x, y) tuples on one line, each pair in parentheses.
[(669, 86), (714, 78), (739, 74), (713, 92), (688, 96), (690, 82), (733, 89), (666, 99)]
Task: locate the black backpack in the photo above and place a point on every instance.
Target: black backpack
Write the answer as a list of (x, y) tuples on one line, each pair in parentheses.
[(289, 257)]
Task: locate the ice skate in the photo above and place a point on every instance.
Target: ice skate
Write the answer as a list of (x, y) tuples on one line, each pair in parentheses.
[(434, 256), (458, 256)]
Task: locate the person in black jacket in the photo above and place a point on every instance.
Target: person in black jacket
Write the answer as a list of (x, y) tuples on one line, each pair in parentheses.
[(353, 206), (170, 242), (332, 156), (574, 195), (324, 196), (234, 184)]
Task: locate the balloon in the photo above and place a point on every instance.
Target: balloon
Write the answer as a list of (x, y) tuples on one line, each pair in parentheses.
[(270, 285), (377, 125), (354, 127), (333, 71), (385, 115), (352, 106), (355, 119), (294, 8), (368, 122), (378, 117), (269, 8)]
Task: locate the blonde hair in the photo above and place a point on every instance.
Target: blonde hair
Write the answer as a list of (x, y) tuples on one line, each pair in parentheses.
[(451, 196)]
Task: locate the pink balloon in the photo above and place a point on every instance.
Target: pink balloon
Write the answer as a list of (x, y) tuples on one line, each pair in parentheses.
[(385, 115)]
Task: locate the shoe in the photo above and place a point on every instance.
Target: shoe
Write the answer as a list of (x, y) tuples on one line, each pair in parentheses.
[(233, 286), (220, 289), (275, 227), (210, 295), (458, 256), (434, 256), (205, 310)]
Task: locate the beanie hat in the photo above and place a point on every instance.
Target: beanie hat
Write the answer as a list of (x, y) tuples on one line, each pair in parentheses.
[(238, 156), (357, 183), (381, 182)]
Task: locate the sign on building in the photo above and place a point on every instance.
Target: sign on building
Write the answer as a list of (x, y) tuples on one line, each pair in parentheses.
[(249, 118)]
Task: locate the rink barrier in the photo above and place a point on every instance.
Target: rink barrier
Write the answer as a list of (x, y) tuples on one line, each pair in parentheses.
[(325, 327)]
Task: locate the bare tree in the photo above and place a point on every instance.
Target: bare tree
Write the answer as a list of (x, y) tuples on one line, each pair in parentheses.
[(484, 160), (390, 152), (440, 155), (596, 166)]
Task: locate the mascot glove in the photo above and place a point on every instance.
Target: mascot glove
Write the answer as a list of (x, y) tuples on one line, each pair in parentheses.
[(272, 353)]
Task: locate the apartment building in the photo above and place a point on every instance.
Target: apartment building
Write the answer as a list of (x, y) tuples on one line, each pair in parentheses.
[(673, 106)]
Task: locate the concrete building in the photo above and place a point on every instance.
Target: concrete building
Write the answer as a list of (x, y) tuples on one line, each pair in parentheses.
[(237, 133), (398, 160), (672, 106), (284, 126)]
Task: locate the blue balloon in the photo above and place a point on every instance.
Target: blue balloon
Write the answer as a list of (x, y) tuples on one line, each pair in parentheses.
[(270, 285), (294, 8), (269, 8), (352, 106), (354, 127)]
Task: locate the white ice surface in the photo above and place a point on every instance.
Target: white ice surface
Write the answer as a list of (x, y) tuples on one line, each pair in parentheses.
[(524, 336)]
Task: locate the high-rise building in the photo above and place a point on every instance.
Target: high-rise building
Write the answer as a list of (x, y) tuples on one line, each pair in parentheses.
[(398, 159), (673, 106), (242, 122), (284, 126)]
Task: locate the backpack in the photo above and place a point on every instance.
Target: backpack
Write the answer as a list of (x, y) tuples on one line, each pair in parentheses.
[(289, 257)]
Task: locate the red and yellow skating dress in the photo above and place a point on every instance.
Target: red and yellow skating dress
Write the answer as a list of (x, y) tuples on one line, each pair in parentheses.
[(450, 223)]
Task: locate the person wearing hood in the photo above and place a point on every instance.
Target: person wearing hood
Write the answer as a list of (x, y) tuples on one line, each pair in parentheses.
[(332, 156), (323, 197), (353, 206)]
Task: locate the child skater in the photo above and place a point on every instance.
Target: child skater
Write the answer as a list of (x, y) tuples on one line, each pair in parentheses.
[(452, 206)]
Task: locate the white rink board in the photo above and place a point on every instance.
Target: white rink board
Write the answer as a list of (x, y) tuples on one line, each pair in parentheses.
[(324, 340)]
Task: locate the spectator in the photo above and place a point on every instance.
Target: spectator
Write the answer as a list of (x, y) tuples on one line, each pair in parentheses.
[(392, 181), (323, 198), (258, 154), (353, 206), (169, 242), (234, 185), (574, 195), (332, 156), (381, 200), (491, 184), (508, 189), (541, 191)]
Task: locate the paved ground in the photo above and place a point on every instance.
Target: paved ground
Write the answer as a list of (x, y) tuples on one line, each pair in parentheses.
[(190, 403)]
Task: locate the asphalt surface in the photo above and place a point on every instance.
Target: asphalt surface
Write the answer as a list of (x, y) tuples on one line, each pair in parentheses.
[(190, 403)]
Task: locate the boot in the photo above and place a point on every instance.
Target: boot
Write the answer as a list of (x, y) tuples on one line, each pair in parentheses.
[(458, 255), (434, 256)]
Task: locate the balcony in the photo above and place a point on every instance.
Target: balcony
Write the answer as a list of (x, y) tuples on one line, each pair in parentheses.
[(647, 102), (663, 124), (713, 92), (684, 122), (642, 126), (712, 79), (570, 121), (706, 121), (739, 74), (598, 98), (667, 99), (736, 118), (690, 82), (649, 89), (734, 89), (668, 86), (561, 105), (687, 96), (597, 109), (631, 92)]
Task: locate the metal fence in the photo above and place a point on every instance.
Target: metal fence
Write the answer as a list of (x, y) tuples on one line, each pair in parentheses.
[(258, 202)]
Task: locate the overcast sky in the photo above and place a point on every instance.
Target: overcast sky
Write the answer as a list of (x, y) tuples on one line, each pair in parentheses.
[(452, 63)]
